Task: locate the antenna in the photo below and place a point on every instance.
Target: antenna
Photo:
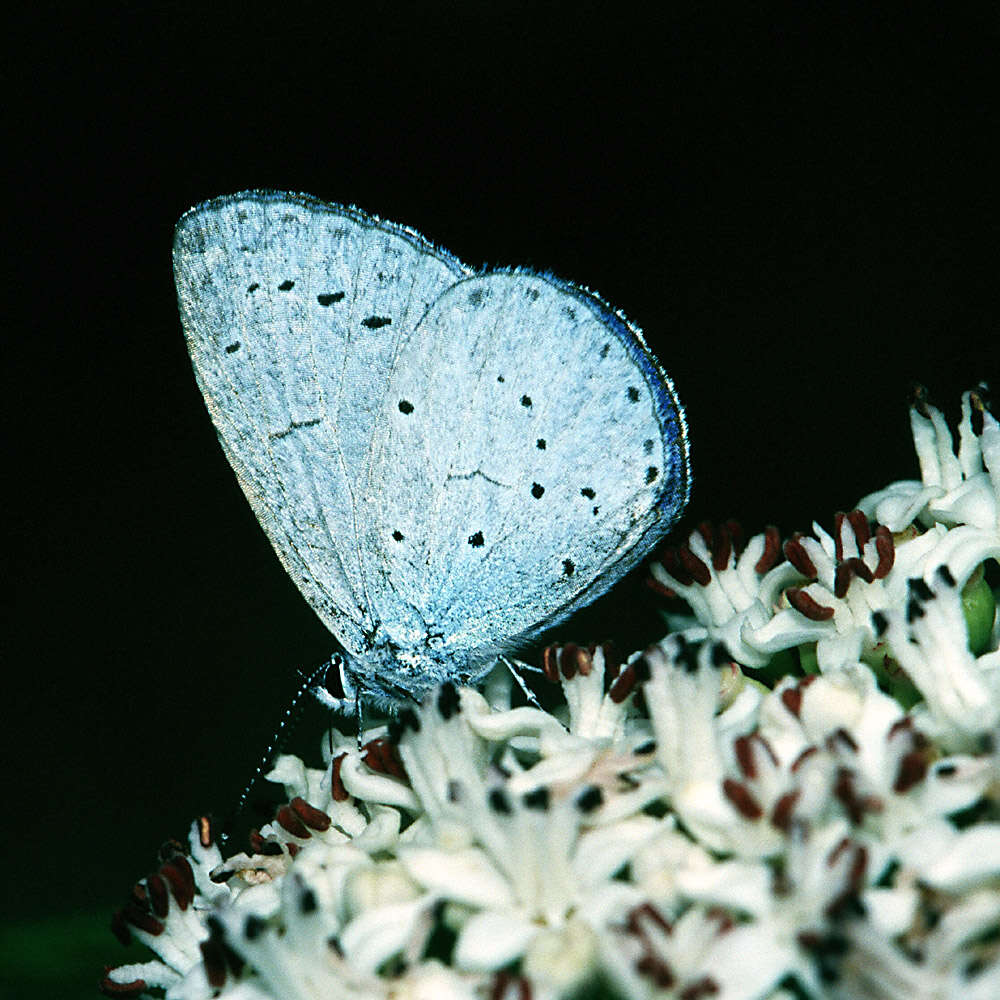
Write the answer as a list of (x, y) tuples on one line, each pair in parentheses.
[(313, 680)]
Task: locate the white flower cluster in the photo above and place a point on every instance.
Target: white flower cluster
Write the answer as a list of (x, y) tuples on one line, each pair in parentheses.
[(795, 794)]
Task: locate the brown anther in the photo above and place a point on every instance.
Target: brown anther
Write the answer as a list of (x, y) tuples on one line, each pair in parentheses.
[(860, 569), (567, 660), (839, 739), (293, 850), (723, 919), (655, 968), (205, 831), (810, 940), (258, 845), (722, 549), (707, 533), (795, 553), (142, 919), (838, 538), (772, 550), (646, 910), (504, 981), (380, 755), (905, 724), (784, 809), (803, 757), (912, 770), (845, 901), (337, 790), (584, 662), (740, 796), (704, 987), (862, 529), (854, 805), (743, 748), (856, 875), (699, 572), (287, 819), (846, 571), (131, 989), (550, 663), (886, 549), (807, 605), (842, 845), (159, 900), (612, 661), (181, 878), (671, 561), (213, 957), (658, 588), (314, 818), (791, 698), (623, 684)]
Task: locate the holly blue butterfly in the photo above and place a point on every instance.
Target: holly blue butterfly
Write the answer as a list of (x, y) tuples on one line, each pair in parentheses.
[(447, 461)]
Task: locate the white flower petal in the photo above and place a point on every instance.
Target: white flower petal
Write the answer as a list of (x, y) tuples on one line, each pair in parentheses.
[(465, 876), (491, 940)]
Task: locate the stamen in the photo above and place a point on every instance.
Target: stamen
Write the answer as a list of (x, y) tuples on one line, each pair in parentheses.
[(699, 572), (796, 554), (337, 790), (310, 815), (772, 550), (807, 605), (286, 818), (740, 796), (886, 549)]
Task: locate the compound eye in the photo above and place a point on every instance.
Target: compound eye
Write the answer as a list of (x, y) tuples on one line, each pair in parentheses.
[(334, 687)]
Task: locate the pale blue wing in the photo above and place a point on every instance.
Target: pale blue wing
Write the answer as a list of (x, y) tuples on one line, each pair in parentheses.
[(529, 452), (294, 312)]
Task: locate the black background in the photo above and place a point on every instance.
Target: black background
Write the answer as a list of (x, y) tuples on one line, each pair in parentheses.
[(799, 209)]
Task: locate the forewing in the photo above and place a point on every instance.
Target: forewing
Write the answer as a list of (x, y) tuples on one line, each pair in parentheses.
[(294, 312)]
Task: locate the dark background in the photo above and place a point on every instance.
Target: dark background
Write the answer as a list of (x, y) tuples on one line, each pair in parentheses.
[(799, 209)]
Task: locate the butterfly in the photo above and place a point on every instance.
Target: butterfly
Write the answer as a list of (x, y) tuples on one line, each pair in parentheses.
[(446, 461)]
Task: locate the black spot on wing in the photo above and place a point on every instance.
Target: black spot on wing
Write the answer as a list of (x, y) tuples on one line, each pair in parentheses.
[(292, 427), (286, 286), (569, 567), (540, 444), (500, 378), (651, 473), (588, 492), (253, 288), (376, 322), (476, 540), (233, 347), (526, 401), (397, 535), (328, 298), (647, 446), (605, 351), (633, 394), (405, 406), (537, 490)]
